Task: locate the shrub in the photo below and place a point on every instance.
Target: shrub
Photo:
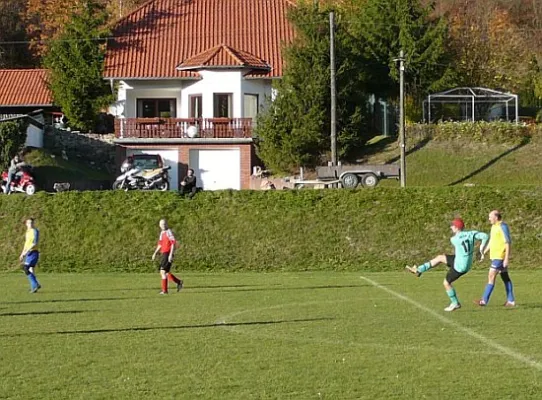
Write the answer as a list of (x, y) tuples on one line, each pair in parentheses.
[(490, 132), (12, 140)]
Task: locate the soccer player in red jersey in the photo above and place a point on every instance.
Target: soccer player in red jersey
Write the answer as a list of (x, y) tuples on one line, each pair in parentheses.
[(166, 246)]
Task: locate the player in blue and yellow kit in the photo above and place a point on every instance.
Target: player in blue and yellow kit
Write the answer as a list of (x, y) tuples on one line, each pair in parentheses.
[(30, 254), (460, 263), (499, 253)]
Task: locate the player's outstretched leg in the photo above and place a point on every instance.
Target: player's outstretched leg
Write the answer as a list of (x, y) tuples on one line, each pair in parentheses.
[(177, 281), (510, 299), (419, 270)]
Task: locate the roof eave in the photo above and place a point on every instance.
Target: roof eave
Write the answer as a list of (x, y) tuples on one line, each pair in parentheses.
[(211, 67), (153, 78), (25, 105)]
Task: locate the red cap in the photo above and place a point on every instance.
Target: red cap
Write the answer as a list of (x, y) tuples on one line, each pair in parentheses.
[(458, 223)]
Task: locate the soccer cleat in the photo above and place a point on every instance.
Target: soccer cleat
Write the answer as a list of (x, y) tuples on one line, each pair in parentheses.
[(34, 290), (39, 286), (162, 293), (180, 285), (480, 302), (413, 270), (510, 304), (453, 307)]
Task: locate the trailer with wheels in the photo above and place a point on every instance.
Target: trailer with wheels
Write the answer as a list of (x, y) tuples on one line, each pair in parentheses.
[(350, 176)]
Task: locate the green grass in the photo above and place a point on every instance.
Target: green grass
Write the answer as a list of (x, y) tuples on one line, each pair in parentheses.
[(266, 336), (462, 162), (359, 230), (49, 168)]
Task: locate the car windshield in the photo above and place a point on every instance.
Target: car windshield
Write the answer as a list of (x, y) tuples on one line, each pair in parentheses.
[(146, 163)]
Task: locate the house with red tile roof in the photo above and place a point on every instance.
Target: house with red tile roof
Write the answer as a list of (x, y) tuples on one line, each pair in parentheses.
[(190, 77), (24, 94)]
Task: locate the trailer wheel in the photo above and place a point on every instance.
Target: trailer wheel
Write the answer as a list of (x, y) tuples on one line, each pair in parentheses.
[(369, 180), (350, 181)]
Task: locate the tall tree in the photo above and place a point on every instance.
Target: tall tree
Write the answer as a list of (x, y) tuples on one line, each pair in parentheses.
[(295, 129), (387, 26), (13, 47), (76, 62), (489, 49), (45, 19)]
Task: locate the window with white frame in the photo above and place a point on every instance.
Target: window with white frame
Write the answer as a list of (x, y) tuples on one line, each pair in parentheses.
[(250, 105)]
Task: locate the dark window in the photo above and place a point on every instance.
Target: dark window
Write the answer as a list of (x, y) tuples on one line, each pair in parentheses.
[(154, 108), (223, 105)]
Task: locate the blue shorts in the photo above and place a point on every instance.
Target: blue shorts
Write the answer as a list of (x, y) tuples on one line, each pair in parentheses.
[(498, 265), (31, 259)]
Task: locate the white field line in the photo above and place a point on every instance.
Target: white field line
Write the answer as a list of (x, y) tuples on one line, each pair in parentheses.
[(489, 342), (225, 320)]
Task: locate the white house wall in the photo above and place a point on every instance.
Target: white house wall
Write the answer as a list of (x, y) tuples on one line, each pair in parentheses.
[(212, 82), (130, 91), (261, 87), (34, 136)]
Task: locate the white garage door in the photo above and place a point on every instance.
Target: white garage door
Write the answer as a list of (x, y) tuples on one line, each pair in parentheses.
[(170, 158), (217, 169)]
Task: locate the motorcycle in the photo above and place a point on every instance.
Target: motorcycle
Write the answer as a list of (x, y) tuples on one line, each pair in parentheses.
[(23, 181), (133, 178)]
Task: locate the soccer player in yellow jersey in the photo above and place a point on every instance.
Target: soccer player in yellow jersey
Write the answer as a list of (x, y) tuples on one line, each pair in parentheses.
[(30, 254), (499, 252)]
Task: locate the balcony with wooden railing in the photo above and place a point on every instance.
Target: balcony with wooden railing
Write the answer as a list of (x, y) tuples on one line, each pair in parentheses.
[(179, 128)]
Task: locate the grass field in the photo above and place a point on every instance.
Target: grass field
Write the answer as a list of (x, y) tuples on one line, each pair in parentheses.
[(268, 336), (462, 162)]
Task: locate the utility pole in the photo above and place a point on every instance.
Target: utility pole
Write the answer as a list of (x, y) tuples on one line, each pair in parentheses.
[(333, 89), (402, 141)]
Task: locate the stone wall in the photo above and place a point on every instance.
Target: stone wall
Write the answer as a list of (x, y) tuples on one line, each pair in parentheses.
[(93, 149)]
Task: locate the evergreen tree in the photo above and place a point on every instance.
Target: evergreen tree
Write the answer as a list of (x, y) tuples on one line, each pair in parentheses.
[(385, 27), (76, 62), (295, 129)]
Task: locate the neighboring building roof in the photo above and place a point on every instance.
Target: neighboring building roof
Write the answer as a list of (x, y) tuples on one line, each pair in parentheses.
[(223, 56), (29, 117), (24, 88), (154, 39)]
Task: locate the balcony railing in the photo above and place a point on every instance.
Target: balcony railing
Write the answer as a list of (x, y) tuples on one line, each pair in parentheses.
[(177, 128)]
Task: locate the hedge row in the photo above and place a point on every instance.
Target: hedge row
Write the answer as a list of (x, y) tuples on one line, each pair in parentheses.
[(381, 229), (489, 132)]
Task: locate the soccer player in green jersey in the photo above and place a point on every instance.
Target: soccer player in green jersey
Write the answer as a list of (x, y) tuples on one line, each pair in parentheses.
[(460, 263)]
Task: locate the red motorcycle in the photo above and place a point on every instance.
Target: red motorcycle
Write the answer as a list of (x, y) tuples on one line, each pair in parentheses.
[(22, 182)]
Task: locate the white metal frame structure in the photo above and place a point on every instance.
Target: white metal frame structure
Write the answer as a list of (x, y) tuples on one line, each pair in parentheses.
[(471, 96)]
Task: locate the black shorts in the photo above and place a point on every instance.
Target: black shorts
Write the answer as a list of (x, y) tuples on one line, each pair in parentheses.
[(452, 274), (165, 265)]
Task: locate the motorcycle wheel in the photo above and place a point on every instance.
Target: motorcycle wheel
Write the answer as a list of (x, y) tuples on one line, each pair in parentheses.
[(117, 185), (30, 189), (163, 187)]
